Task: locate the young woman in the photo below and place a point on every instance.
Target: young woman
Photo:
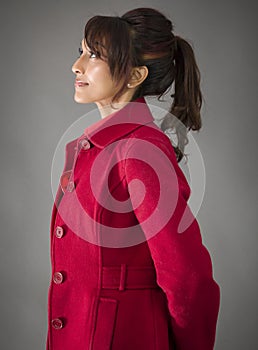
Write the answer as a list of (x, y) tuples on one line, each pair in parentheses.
[(124, 275)]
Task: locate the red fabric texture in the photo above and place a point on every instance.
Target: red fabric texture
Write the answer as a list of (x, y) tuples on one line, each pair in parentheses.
[(176, 306)]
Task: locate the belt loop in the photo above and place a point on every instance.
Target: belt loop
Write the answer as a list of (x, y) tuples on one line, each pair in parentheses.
[(122, 277)]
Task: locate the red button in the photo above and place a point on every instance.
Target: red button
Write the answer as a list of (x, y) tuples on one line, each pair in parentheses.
[(85, 144), (64, 179), (57, 323), (59, 232), (58, 277), (70, 186)]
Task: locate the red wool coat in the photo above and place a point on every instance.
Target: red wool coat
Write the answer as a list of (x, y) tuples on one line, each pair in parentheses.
[(124, 277)]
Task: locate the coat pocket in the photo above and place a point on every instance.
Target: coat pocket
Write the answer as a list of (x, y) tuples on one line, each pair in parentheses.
[(104, 323)]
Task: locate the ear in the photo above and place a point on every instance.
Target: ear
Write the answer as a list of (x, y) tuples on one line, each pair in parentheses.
[(138, 75)]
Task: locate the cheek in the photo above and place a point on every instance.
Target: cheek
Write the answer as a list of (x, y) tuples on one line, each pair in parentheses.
[(99, 74)]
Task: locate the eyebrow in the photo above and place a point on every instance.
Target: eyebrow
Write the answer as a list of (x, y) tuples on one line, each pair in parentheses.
[(87, 48)]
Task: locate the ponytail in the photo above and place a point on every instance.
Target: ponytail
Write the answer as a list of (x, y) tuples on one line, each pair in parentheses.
[(187, 96)]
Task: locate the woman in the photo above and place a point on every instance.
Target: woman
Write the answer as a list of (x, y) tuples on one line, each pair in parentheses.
[(124, 276)]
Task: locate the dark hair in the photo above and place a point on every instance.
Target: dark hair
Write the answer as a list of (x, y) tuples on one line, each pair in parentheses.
[(144, 37)]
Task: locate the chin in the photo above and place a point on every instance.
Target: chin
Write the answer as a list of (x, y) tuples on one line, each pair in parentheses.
[(80, 99)]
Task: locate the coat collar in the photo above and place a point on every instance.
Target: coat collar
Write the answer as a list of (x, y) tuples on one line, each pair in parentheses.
[(120, 123)]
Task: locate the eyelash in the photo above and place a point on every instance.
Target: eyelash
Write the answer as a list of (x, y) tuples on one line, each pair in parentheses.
[(81, 51)]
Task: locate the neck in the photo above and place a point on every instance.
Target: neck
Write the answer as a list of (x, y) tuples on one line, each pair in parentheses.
[(106, 109)]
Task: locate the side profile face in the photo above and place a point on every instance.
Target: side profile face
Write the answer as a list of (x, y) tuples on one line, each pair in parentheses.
[(94, 73)]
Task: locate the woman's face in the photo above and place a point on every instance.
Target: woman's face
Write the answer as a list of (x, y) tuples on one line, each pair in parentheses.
[(94, 73)]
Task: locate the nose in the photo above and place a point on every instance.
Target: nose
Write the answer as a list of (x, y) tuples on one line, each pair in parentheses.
[(77, 67)]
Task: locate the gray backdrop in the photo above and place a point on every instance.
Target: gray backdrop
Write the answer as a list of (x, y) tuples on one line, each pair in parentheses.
[(39, 43)]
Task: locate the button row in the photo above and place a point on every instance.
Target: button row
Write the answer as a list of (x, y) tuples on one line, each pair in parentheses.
[(58, 278)]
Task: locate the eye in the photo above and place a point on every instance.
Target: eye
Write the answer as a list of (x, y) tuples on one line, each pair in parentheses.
[(80, 51), (91, 53)]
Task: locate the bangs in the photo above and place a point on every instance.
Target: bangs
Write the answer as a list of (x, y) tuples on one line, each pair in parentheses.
[(109, 38)]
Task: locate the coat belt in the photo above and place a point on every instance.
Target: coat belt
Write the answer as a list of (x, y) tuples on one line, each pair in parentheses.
[(128, 277)]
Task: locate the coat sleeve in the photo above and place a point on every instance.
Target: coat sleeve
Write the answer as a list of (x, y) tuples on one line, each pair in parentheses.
[(157, 186)]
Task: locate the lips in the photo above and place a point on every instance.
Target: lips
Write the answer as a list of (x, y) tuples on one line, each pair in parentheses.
[(80, 83)]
